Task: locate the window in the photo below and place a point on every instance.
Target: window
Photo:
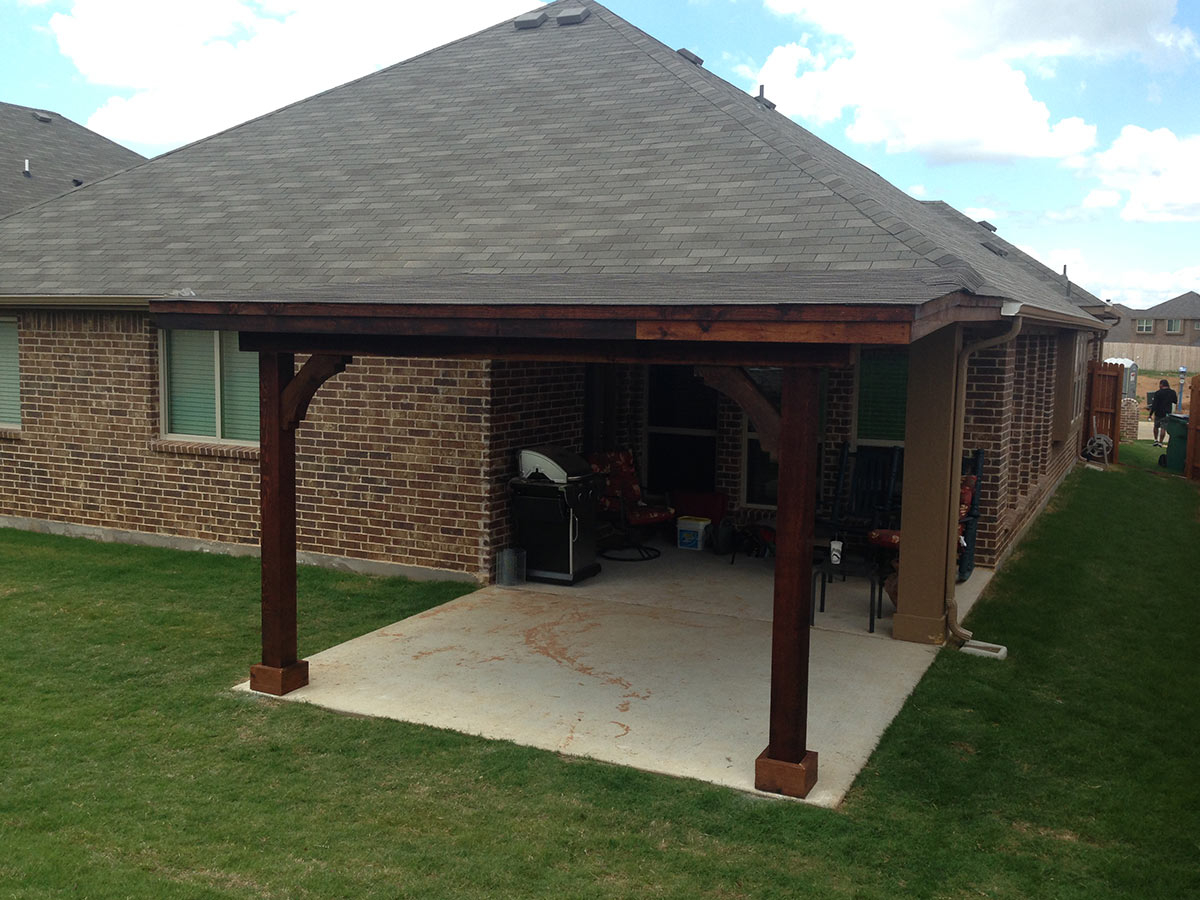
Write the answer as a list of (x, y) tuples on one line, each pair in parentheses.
[(882, 396), (210, 387), (1070, 387), (681, 431), (1174, 326), (1145, 326), (10, 375)]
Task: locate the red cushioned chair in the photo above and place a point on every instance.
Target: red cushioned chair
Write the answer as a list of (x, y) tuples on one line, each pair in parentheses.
[(622, 504)]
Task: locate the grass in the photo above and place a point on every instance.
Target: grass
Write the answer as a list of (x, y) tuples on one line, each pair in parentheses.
[(129, 769)]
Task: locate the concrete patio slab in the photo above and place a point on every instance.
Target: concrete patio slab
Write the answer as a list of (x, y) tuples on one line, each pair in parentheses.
[(662, 665)]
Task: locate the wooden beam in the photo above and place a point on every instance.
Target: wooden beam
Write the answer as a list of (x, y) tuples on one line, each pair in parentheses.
[(734, 383), (280, 671), (787, 766), (778, 332), (299, 392), (528, 350)]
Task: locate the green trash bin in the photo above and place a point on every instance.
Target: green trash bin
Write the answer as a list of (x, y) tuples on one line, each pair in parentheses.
[(1177, 429)]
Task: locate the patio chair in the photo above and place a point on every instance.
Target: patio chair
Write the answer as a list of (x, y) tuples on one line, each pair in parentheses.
[(622, 505)]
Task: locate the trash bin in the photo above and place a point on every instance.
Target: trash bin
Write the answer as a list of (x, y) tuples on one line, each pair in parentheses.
[(1177, 429)]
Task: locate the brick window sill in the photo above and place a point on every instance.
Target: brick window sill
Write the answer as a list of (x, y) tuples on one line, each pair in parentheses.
[(205, 448), (9, 433)]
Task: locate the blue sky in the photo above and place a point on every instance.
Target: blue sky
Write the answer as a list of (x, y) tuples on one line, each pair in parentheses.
[(1077, 136)]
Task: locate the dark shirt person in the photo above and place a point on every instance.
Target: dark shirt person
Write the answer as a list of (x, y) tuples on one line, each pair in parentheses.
[(1161, 402)]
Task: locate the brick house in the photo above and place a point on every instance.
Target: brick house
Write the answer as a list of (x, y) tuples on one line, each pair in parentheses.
[(1161, 338), (531, 235)]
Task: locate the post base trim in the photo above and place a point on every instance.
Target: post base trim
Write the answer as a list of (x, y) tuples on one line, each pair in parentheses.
[(792, 779), (279, 681)]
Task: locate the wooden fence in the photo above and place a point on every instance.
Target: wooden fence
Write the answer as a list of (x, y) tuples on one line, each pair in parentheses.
[(1191, 465), (1104, 384), (1156, 357)]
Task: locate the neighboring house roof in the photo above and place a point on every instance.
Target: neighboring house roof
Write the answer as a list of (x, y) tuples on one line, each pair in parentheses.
[(60, 155), (574, 153), (1185, 306), (1123, 330)]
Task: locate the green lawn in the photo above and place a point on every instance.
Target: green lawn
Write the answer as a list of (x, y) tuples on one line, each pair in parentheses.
[(129, 769)]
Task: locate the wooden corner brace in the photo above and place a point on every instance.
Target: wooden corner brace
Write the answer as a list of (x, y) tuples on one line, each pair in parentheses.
[(300, 390)]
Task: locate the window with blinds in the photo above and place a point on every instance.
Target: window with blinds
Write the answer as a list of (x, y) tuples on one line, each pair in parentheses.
[(882, 395), (210, 386), (10, 375)]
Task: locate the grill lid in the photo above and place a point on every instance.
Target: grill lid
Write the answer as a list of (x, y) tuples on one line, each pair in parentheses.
[(555, 463)]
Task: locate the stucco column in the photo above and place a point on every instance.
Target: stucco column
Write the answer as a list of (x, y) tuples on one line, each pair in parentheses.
[(927, 548)]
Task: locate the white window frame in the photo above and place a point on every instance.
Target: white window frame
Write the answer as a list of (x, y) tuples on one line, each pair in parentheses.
[(164, 398), (1145, 326), (14, 426), (1178, 326)]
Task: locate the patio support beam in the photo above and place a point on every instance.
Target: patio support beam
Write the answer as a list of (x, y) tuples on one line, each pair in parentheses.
[(930, 477), (280, 671), (787, 766)]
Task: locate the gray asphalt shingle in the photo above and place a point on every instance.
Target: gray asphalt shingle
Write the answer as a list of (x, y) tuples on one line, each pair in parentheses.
[(59, 153), (567, 151)]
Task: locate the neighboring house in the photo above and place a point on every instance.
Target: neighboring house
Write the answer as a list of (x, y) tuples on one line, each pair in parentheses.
[(1161, 338), (532, 235), (44, 155), (1175, 322)]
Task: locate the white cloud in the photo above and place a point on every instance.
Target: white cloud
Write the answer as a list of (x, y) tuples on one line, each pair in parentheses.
[(1101, 199), (191, 69), (917, 190), (951, 82), (1135, 287), (1159, 171), (982, 212)]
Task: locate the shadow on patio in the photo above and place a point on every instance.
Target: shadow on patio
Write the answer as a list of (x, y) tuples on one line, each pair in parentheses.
[(662, 665)]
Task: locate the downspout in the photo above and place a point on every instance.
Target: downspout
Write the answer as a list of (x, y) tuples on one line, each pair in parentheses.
[(1009, 309)]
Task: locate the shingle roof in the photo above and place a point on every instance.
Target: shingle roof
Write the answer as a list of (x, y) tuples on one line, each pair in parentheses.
[(1185, 306), (586, 149), (59, 152)]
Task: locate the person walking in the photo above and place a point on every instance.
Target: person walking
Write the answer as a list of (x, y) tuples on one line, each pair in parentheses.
[(1161, 403)]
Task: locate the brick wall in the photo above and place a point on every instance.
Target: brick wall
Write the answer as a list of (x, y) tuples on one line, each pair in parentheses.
[(1130, 416), (1009, 414), (529, 404), (392, 462)]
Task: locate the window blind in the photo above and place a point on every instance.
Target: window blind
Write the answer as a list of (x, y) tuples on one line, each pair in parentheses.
[(191, 383), (10, 376), (239, 390), (882, 395)]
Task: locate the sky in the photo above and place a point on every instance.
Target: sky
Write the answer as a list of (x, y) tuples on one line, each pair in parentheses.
[(1072, 127)]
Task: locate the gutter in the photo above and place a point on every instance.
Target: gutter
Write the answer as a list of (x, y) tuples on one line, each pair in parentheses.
[(1008, 310), (32, 301)]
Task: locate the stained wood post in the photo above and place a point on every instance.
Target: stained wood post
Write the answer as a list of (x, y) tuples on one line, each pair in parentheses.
[(787, 766), (280, 671)]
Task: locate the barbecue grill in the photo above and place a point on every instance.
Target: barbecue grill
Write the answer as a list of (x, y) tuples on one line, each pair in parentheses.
[(554, 512)]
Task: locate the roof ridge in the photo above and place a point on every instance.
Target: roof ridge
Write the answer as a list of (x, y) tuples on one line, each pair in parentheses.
[(736, 109)]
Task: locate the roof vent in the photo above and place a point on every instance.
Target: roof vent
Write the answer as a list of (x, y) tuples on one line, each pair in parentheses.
[(988, 225), (762, 99), (42, 116), (529, 20), (573, 15), (995, 248), (690, 56), (77, 181)]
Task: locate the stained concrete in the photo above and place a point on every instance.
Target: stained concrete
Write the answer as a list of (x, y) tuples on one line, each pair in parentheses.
[(660, 665)]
